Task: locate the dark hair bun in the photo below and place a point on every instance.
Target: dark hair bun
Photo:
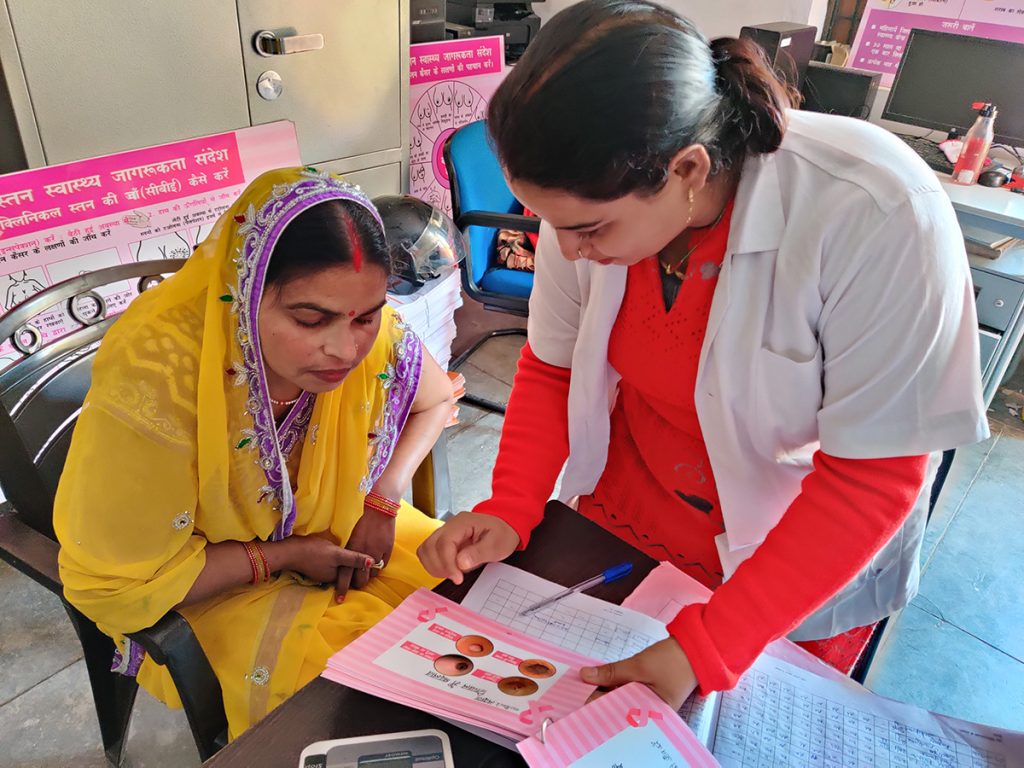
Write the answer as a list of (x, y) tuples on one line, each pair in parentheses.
[(753, 114)]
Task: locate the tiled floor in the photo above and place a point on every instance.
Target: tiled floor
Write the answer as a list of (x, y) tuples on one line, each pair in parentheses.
[(959, 649)]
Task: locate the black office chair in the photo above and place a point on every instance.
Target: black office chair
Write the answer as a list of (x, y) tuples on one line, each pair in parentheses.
[(41, 395), (481, 205)]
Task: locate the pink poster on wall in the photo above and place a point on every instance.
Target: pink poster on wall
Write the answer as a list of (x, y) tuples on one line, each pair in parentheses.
[(451, 83), (886, 24), (159, 202)]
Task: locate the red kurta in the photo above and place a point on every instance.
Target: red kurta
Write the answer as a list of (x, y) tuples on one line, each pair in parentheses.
[(657, 491)]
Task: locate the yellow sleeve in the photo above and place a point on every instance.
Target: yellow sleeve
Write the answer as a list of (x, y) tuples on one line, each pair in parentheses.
[(125, 517)]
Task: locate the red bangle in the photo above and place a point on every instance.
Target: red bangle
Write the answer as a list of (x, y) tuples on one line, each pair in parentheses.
[(257, 561), (382, 504), (252, 562), (263, 560)]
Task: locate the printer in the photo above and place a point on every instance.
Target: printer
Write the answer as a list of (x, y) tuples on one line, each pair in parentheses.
[(515, 21), (427, 21)]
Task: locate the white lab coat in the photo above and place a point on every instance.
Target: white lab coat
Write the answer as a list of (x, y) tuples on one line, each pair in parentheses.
[(843, 319)]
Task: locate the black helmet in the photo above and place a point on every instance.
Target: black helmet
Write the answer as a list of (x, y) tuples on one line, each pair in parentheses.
[(421, 238)]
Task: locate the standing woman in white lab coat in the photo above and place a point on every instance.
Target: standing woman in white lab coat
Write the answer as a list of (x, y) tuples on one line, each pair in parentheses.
[(750, 328)]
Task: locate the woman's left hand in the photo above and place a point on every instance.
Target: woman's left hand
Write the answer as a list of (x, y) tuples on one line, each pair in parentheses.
[(664, 667), (374, 534)]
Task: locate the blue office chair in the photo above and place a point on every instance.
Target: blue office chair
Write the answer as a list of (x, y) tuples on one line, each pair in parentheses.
[(481, 205)]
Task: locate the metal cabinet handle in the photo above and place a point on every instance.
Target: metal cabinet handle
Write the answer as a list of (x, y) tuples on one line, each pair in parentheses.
[(269, 44)]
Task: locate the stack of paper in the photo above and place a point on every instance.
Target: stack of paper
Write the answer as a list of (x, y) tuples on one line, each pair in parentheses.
[(988, 245), (430, 312), (436, 656)]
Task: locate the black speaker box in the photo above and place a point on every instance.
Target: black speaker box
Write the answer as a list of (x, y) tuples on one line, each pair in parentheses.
[(840, 90), (789, 47)]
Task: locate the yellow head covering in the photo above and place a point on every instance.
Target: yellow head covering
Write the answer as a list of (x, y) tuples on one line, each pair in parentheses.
[(176, 445)]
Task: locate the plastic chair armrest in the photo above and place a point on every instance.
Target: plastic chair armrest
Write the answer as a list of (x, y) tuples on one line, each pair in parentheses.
[(172, 643), (27, 550), (514, 221)]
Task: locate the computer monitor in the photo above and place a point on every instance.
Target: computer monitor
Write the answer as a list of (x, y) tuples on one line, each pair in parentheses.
[(941, 75)]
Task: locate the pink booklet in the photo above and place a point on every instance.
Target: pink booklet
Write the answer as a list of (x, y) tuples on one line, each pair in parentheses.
[(630, 727), (436, 656)]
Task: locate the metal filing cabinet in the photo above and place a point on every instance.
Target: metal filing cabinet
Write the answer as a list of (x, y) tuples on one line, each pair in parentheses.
[(999, 294), (82, 79)]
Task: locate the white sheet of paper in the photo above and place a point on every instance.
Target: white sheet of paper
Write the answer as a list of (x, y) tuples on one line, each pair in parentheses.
[(799, 718), (578, 622), (634, 748)]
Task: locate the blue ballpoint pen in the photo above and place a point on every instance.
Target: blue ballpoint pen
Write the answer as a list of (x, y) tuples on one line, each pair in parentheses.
[(614, 573)]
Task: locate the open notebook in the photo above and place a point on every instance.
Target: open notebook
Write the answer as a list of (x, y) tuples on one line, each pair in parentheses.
[(781, 714)]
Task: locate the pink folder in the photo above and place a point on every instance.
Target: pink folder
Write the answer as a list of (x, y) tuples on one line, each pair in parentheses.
[(629, 727), (434, 655)]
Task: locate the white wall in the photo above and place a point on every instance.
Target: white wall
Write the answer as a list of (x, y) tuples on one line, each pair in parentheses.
[(819, 10), (717, 18)]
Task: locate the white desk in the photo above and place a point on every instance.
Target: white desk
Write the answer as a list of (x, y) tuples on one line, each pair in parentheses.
[(992, 208), (998, 283)]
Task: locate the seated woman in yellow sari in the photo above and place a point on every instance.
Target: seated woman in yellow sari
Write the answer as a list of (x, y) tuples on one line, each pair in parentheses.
[(250, 421)]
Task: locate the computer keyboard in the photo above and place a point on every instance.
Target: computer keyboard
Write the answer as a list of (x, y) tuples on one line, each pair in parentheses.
[(928, 151)]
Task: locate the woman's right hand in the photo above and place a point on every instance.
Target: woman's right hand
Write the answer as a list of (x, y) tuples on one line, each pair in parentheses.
[(465, 542), (317, 559)]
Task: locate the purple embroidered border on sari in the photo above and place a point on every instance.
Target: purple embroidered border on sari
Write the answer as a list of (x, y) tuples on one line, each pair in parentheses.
[(260, 232), (400, 382), (128, 665)]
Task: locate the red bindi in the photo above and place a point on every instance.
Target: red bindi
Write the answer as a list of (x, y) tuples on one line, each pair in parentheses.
[(352, 313)]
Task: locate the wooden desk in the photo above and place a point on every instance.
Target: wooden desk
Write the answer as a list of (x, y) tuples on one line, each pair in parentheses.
[(566, 548)]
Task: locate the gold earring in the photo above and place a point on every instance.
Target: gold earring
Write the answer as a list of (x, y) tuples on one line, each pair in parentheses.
[(690, 196)]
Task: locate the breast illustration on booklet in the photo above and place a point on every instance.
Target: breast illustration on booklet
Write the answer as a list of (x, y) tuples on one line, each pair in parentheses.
[(439, 657)]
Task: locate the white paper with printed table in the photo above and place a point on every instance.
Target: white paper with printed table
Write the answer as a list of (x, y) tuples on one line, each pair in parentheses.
[(579, 622)]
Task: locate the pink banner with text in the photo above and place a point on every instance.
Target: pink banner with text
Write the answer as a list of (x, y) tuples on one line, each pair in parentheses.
[(62, 221), (451, 83), (886, 24)]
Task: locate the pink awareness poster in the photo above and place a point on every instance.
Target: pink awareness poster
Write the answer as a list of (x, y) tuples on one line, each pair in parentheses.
[(886, 24), (62, 221), (451, 83)]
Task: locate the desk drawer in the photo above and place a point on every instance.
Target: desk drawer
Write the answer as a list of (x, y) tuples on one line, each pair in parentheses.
[(997, 298)]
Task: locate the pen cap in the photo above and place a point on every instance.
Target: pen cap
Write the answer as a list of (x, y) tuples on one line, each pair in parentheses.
[(618, 571)]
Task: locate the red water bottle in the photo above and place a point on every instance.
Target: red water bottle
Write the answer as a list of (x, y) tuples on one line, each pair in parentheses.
[(977, 143)]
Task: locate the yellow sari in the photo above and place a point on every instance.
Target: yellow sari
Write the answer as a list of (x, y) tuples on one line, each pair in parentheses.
[(176, 447)]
